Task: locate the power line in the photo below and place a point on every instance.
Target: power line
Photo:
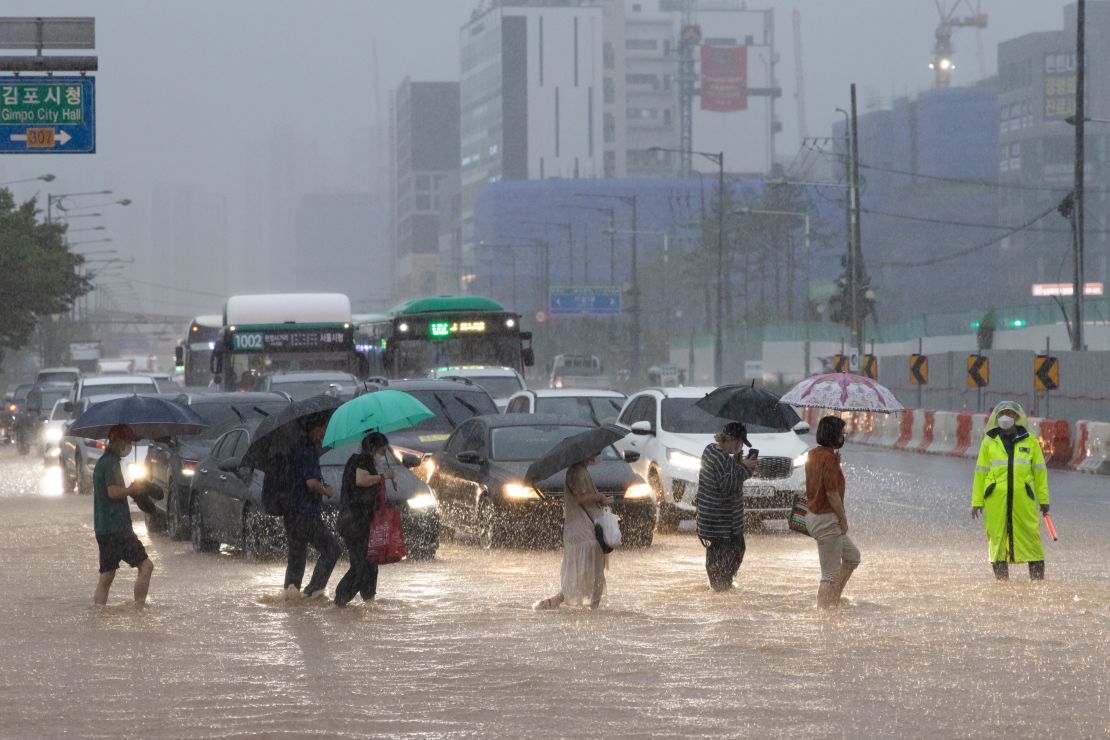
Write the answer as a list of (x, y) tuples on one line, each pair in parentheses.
[(968, 224), (969, 250), (174, 287)]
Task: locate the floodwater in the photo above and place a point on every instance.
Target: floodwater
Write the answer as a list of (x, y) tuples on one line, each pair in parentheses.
[(929, 645)]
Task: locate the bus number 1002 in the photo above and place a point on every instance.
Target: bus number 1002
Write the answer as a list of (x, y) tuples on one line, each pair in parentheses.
[(249, 342)]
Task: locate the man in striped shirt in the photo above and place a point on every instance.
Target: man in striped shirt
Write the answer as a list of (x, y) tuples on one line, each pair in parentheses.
[(721, 503)]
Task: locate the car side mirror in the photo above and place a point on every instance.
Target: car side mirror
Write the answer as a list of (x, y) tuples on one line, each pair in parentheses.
[(410, 460), (802, 427), (179, 355), (643, 428), (469, 457), (229, 465), (529, 357), (68, 407), (631, 457)]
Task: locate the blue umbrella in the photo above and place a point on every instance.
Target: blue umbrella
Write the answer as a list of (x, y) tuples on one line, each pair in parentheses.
[(148, 416)]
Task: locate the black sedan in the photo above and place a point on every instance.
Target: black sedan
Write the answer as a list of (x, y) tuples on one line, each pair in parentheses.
[(172, 463), (226, 501), (478, 480)]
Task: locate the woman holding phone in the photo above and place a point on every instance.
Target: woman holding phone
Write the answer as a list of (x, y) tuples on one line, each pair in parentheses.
[(720, 503), (827, 519)]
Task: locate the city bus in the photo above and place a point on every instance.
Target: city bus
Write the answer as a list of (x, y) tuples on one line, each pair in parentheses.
[(423, 334), (193, 355), (265, 334)]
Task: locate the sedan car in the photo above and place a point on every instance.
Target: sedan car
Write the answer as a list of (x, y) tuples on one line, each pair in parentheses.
[(172, 462), (226, 501), (479, 483), (595, 406), (499, 382), (302, 385), (53, 430)]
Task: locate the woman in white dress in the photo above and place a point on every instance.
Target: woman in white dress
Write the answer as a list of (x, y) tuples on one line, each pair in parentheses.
[(584, 564)]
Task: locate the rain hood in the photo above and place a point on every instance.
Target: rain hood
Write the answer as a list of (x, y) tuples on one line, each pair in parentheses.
[(1022, 419)]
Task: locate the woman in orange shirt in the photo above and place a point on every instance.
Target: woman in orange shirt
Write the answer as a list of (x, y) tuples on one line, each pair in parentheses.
[(827, 520)]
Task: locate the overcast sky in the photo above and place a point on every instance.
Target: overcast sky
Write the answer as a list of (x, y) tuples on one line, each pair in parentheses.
[(184, 83)]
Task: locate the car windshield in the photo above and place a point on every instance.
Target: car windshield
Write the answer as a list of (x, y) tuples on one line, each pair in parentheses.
[(451, 408), (592, 409), (21, 392), (49, 397), (62, 376), (498, 386), (303, 389), (527, 443), (681, 416), (118, 389), (222, 415)]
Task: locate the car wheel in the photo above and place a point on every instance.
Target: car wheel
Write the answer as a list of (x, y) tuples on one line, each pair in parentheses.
[(177, 524), (84, 478), (69, 482), (490, 535), (667, 520), (200, 542), (256, 539)]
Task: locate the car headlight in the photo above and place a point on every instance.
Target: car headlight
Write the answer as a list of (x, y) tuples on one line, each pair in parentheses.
[(638, 490), (52, 435), (428, 466), (683, 460), (422, 501), (137, 471), (519, 492), (800, 460)]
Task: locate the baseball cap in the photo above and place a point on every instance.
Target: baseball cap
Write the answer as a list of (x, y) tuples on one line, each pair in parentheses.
[(736, 430)]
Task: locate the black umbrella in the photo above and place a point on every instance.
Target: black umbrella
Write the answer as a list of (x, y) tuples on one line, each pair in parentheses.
[(278, 433), (753, 407), (573, 449)]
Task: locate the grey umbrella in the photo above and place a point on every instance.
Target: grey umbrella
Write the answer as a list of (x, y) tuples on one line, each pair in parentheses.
[(573, 449)]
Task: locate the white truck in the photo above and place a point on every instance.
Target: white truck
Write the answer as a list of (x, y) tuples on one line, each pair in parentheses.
[(578, 371)]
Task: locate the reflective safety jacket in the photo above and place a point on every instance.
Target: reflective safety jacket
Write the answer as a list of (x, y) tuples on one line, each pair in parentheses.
[(1010, 484)]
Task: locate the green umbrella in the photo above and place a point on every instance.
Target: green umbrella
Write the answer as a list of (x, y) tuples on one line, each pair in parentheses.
[(383, 411)]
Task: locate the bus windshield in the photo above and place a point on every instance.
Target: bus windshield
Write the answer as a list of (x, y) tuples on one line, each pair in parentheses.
[(415, 357)]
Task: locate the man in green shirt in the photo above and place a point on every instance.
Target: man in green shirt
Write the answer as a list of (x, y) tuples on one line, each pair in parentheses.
[(112, 517)]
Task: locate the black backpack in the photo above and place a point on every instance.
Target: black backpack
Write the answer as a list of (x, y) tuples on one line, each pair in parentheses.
[(277, 489)]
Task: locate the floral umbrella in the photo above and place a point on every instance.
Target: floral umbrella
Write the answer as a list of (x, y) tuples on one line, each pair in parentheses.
[(843, 392)]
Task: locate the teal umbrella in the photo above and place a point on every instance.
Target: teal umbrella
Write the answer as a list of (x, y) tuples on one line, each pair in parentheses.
[(383, 411)]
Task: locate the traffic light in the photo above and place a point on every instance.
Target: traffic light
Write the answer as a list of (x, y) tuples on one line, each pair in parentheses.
[(840, 305)]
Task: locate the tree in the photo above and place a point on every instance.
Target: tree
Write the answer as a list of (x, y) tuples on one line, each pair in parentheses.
[(984, 333), (38, 273)]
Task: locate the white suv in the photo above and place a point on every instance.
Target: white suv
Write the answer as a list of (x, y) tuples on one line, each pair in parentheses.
[(669, 432)]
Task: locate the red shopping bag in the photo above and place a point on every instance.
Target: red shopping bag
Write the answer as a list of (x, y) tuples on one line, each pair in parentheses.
[(387, 535)]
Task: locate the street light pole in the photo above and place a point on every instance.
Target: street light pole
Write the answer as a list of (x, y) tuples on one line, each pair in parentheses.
[(52, 198), (1077, 343), (856, 252)]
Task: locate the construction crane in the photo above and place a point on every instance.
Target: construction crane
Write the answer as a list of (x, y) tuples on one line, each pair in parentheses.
[(942, 64)]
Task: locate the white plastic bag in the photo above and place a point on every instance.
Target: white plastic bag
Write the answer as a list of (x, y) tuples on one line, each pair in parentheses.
[(610, 527)]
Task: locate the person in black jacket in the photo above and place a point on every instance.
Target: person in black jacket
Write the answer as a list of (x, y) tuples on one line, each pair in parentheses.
[(360, 497)]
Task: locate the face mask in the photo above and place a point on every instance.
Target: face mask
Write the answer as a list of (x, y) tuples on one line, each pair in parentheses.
[(1006, 422)]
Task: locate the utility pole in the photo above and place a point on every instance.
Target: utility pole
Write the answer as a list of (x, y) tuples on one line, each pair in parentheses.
[(718, 338), (854, 251), (634, 294), (1077, 343)]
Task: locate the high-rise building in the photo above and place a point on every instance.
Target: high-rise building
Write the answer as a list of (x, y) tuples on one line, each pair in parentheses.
[(531, 96), (1036, 164), (425, 134)]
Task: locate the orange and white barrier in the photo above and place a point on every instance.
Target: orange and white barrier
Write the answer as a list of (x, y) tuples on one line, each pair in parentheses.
[(1096, 458), (945, 424)]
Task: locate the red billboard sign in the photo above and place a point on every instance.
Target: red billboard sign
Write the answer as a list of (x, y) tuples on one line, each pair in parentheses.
[(724, 78)]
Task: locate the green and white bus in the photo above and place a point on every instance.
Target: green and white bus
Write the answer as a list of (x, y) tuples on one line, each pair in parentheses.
[(426, 333), (265, 334)]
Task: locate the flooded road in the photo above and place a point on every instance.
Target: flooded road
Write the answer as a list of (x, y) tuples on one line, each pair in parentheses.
[(929, 645)]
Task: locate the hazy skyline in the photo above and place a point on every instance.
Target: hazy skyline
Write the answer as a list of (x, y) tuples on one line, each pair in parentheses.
[(186, 89)]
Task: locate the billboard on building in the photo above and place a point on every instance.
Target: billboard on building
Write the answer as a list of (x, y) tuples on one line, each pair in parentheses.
[(724, 78)]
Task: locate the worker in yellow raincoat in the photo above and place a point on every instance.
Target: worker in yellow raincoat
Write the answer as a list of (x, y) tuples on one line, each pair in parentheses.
[(1011, 491)]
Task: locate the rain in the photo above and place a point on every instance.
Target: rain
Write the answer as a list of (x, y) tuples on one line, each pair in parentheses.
[(610, 276)]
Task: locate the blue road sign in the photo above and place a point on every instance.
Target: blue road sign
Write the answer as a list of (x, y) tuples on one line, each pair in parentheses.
[(47, 115), (586, 301)]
